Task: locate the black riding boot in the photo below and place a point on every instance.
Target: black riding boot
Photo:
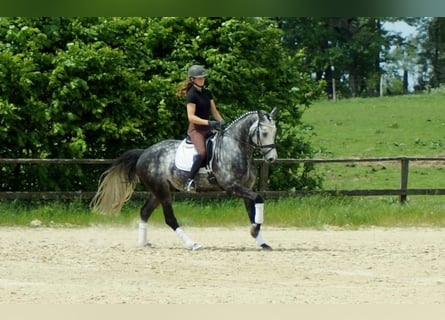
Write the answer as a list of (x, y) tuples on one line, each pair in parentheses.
[(190, 183)]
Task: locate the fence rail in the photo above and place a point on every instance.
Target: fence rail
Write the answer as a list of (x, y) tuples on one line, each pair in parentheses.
[(402, 192)]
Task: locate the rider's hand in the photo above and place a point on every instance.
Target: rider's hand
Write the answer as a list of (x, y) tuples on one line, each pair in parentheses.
[(213, 124), (218, 125)]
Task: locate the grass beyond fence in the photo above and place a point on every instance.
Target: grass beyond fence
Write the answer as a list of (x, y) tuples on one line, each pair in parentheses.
[(412, 126)]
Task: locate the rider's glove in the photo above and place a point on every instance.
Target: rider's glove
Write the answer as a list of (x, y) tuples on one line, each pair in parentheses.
[(213, 124), (218, 125)]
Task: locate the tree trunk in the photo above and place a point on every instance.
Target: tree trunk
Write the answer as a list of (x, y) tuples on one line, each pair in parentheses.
[(405, 81), (353, 83)]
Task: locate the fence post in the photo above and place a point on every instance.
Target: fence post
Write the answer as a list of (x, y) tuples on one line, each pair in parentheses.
[(264, 175), (404, 179)]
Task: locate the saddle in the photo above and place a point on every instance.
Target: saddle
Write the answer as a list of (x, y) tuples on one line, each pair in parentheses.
[(186, 151)]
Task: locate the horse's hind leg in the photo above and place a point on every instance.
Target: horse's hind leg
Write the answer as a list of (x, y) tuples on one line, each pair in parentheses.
[(164, 197), (147, 209), (171, 221)]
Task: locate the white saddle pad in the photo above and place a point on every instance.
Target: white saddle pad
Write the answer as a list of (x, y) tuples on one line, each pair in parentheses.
[(184, 156)]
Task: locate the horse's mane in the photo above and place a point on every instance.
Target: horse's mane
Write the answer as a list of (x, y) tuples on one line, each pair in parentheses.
[(241, 117)]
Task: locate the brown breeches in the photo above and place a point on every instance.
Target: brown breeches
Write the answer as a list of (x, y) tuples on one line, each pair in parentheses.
[(198, 136)]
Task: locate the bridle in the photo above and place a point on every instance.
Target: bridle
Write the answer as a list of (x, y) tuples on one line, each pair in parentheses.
[(255, 133), (259, 146)]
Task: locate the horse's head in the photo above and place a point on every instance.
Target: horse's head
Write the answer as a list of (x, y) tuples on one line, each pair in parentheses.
[(262, 133)]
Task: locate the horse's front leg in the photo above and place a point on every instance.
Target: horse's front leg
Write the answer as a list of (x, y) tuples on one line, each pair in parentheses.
[(256, 216), (255, 208)]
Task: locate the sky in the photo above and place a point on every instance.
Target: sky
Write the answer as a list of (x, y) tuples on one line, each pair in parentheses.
[(400, 26)]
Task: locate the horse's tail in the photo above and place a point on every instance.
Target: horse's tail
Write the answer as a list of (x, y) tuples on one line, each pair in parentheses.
[(117, 184)]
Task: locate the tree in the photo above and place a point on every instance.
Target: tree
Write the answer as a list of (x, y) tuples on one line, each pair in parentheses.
[(402, 57), (434, 50), (352, 45), (405, 58)]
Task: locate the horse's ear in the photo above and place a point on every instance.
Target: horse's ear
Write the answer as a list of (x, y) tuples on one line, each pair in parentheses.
[(274, 112)]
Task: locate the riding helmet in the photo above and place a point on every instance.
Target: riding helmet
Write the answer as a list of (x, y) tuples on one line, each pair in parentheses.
[(197, 71)]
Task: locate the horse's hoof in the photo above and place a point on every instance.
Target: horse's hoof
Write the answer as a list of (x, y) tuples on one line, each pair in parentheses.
[(195, 247), (146, 245), (255, 230), (266, 247)]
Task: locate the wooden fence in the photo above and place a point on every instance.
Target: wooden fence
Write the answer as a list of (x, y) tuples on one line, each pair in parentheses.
[(402, 191)]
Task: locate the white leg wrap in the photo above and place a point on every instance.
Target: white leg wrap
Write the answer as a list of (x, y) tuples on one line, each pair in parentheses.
[(259, 213), (189, 243), (142, 233), (259, 239)]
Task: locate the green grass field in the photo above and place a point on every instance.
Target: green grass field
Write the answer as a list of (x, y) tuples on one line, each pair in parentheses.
[(412, 125)]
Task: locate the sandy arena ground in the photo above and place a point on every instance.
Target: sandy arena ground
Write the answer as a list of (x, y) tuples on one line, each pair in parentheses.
[(101, 265)]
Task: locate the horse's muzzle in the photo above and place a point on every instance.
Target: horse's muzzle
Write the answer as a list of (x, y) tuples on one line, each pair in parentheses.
[(270, 159), (270, 155)]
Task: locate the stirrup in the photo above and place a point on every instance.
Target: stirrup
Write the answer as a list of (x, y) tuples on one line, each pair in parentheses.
[(190, 185)]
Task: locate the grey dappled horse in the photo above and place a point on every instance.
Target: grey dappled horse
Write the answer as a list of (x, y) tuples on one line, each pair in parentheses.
[(232, 166)]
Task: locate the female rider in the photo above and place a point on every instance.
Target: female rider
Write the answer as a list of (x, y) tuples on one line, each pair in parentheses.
[(200, 105)]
